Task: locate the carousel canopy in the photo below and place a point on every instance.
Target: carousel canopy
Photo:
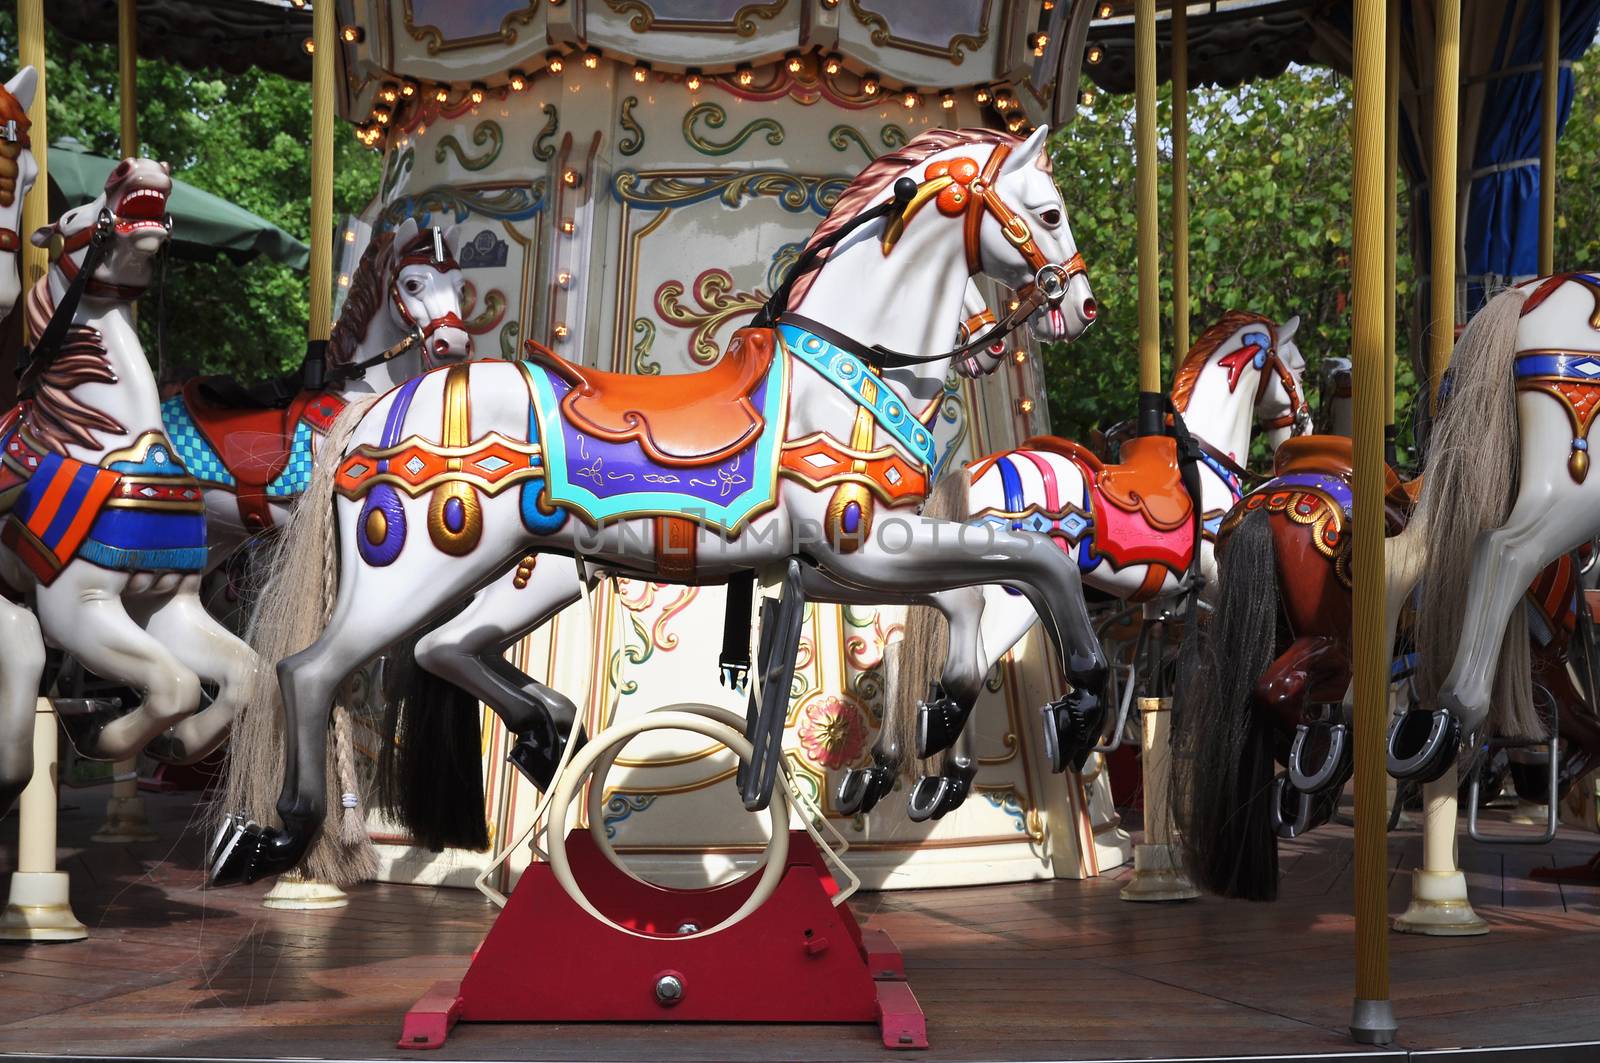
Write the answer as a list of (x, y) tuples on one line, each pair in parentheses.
[(203, 225)]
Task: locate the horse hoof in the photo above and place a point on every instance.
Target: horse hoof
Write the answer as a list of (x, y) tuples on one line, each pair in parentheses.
[(940, 721), (537, 753), (1072, 729), (245, 851), (1423, 745), (927, 798), (167, 748), (862, 788), (85, 719)]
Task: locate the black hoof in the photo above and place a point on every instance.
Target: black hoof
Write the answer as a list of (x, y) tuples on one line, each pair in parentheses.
[(167, 748), (862, 788), (1423, 745), (936, 796), (85, 719), (245, 851), (940, 721), (537, 753), (1072, 727)]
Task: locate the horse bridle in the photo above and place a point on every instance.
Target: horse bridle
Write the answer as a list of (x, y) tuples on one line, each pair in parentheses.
[(1048, 287), (1299, 416), (436, 255)]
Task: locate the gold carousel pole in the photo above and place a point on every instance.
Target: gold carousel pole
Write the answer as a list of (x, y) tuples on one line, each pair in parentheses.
[(1180, 179), (1372, 1017), (1391, 215), (294, 891), (126, 820), (1439, 903), (1547, 138), (37, 905), (1157, 871)]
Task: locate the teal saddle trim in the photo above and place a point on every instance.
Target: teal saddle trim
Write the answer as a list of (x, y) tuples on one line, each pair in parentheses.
[(851, 375)]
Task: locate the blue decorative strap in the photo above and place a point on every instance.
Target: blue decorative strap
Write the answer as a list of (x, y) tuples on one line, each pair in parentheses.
[(855, 378), (1576, 366)]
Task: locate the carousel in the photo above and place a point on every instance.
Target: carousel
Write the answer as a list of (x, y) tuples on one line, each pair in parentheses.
[(655, 619)]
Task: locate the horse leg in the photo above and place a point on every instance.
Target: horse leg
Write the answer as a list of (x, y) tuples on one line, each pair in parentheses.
[(83, 613), (1504, 562), (935, 796), (202, 644), (930, 561), (467, 650), (21, 668)]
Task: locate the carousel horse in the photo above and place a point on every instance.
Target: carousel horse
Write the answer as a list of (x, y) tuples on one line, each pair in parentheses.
[(22, 656), (104, 529), (1130, 527), (462, 661), (798, 447), (1505, 493), (253, 449)]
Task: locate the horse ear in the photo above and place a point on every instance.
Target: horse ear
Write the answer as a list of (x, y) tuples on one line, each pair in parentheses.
[(405, 233), (1028, 154), (23, 85), (41, 235), (1286, 330)]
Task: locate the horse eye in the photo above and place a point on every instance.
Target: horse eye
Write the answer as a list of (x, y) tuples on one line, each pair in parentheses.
[(1051, 217), (413, 286)]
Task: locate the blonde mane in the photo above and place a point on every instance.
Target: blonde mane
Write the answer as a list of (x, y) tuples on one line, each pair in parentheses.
[(870, 183), (1188, 373)]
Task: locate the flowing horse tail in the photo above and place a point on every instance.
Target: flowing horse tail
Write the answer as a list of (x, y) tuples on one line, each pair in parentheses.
[(291, 612), (925, 643), (1222, 747), (1468, 487)]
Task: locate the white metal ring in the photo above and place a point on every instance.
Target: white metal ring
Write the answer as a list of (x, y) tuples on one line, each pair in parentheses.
[(614, 737)]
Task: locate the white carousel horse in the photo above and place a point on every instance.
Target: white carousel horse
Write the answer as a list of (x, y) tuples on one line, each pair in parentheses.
[(1130, 527), (21, 643), (105, 531), (678, 478), (1506, 491), (253, 450)]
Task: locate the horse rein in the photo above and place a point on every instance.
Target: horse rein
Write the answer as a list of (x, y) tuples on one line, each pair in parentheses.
[(80, 280)]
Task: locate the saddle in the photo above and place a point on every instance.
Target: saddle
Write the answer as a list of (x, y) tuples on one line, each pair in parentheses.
[(1336, 455), (256, 442), (684, 420), (1146, 481)]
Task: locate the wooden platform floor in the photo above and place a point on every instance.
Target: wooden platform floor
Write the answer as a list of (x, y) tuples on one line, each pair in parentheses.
[(1057, 970)]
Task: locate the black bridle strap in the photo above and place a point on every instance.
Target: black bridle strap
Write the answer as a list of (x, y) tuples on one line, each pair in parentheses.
[(395, 350), (34, 361)]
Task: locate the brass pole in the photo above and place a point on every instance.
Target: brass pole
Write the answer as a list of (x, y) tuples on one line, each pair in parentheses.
[(1372, 1018), (1391, 216), (323, 44), (36, 209), (1442, 189), (1144, 51), (1180, 179), (128, 74), (1547, 138)]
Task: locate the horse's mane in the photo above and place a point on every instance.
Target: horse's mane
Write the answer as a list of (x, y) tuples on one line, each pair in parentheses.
[(369, 287), (880, 172), (55, 418), (1189, 371)]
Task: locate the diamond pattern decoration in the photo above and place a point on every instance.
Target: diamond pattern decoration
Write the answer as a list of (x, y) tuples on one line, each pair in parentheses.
[(415, 465), (1075, 524), (203, 463), (493, 463)]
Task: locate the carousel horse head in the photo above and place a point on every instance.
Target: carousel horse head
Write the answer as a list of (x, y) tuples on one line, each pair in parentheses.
[(409, 284), (1245, 367), (128, 218), (17, 174)]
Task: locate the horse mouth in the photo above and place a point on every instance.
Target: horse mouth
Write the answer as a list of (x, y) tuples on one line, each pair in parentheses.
[(140, 209)]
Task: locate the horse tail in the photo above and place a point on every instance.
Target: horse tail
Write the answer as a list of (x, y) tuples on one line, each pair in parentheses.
[(292, 610), (430, 759), (925, 643), (1464, 495), (1222, 749)]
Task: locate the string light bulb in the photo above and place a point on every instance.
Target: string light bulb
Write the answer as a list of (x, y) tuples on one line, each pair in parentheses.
[(832, 65), (389, 92), (1025, 406), (519, 81), (567, 227), (591, 60), (869, 84), (1040, 42), (983, 96), (563, 278), (409, 87), (478, 91), (309, 46), (352, 34), (641, 72), (560, 330), (571, 178), (691, 81), (1086, 98), (554, 63), (745, 76), (792, 63), (1021, 357), (948, 101), (909, 100), (344, 280), (381, 114), (1095, 54), (441, 94), (1105, 11)]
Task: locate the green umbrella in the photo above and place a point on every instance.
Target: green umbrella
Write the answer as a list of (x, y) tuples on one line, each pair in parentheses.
[(203, 225)]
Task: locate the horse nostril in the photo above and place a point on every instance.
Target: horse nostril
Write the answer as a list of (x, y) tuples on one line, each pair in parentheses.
[(441, 348), (1090, 309)]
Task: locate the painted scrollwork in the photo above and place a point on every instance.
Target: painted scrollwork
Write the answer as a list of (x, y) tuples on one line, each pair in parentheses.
[(433, 38), (715, 118), (501, 202), (494, 309), (485, 133), (633, 142), (884, 37), (645, 19), (509, 348), (717, 303), (645, 331), (796, 193), (543, 148), (842, 136)]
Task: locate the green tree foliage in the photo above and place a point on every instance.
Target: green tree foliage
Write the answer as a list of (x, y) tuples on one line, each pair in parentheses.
[(245, 137), (1269, 193), (1578, 159)]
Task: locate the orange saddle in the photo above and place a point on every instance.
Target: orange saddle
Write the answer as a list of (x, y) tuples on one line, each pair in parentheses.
[(685, 420)]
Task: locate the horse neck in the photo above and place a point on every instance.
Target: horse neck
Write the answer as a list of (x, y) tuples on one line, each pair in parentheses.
[(1220, 417), (134, 399), (382, 333), (909, 301)]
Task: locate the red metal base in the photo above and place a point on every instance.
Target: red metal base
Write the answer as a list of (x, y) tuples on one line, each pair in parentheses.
[(795, 959)]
